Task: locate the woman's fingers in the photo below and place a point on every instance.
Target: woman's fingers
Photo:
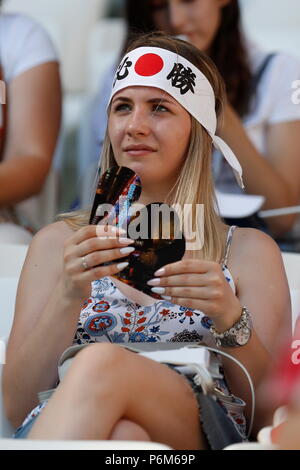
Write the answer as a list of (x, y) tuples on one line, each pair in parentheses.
[(100, 257), (89, 250), (95, 241), (96, 258), (185, 267), (98, 272), (92, 231), (101, 243), (184, 292), (196, 280)]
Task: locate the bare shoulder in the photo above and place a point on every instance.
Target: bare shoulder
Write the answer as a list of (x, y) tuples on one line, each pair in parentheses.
[(255, 255), (53, 235), (48, 244), (249, 242)]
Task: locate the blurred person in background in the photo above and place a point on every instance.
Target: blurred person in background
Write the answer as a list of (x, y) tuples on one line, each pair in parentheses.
[(29, 120), (261, 123), (281, 390)]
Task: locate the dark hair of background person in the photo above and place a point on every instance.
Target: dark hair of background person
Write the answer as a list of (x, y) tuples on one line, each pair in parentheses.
[(228, 50), (139, 18)]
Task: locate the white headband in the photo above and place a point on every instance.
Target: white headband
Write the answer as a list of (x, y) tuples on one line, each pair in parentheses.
[(160, 68)]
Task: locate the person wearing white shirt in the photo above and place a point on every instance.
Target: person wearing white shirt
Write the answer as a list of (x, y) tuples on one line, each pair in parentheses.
[(30, 118)]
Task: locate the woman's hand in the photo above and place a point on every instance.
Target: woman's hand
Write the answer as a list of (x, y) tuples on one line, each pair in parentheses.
[(84, 255), (199, 285)]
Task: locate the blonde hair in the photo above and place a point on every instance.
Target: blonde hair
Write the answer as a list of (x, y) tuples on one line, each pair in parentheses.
[(195, 183)]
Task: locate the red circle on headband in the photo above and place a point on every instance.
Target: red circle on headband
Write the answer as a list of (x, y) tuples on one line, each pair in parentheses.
[(148, 65)]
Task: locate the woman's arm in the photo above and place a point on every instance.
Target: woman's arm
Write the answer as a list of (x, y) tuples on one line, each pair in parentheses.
[(257, 267), (44, 325), (34, 114), (276, 175), (51, 292)]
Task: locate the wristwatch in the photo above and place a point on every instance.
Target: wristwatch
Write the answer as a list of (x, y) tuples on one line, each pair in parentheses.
[(238, 335)]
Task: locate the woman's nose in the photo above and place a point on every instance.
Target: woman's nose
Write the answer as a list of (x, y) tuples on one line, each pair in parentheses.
[(137, 124)]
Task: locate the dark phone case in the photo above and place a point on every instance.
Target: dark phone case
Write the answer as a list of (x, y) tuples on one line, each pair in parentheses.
[(160, 242)]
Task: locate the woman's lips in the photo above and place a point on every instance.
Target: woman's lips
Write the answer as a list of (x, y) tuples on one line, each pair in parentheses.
[(139, 150), (139, 153)]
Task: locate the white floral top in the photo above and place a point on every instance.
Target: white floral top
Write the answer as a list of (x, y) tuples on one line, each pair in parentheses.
[(108, 316)]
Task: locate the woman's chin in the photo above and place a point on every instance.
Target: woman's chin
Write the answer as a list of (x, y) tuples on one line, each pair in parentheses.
[(138, 167)]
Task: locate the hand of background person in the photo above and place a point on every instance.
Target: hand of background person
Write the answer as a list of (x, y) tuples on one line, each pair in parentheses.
[(228, 118), (264, 172)]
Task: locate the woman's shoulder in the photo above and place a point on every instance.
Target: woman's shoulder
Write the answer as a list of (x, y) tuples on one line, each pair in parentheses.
[(25, 44), (257, 56), (46, 250), (51, 238), (254, 255), (252, 249), (20, 23), (248, 241), (57, 231), (12, 18)]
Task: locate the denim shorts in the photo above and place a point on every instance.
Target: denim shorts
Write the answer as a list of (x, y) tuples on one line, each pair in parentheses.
[(219, 425), (25, 428)]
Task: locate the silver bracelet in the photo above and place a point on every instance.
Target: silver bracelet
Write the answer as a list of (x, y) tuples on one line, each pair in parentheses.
[(238, 335)]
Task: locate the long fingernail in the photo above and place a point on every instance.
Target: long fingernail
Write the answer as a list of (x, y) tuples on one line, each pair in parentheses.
[(126, 241), (166, 297), (160, 272), (158, 290), (127, 250), (119, 230), (122, 266), (154, 282)]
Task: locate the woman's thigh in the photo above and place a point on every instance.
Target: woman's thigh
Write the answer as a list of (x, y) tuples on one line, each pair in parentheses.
[(123, 385)]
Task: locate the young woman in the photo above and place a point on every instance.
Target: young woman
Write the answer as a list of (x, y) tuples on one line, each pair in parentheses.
[(29, 118), (162, 121)]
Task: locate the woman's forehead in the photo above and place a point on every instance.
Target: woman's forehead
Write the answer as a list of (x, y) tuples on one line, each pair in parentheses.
[(144, 92)]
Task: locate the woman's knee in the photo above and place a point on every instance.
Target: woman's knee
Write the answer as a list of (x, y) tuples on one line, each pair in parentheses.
[(96, 363), (126, 430)]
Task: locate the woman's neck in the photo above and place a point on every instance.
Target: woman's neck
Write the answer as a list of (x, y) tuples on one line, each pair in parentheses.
[(148, 197)]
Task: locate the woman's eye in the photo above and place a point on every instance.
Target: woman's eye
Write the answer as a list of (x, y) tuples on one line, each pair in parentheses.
[(122, 107), (159, 108)]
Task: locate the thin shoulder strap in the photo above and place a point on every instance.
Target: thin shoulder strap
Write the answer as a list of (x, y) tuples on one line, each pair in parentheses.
[(261, 70), (256, 78), (228, 244), (3, 121)]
